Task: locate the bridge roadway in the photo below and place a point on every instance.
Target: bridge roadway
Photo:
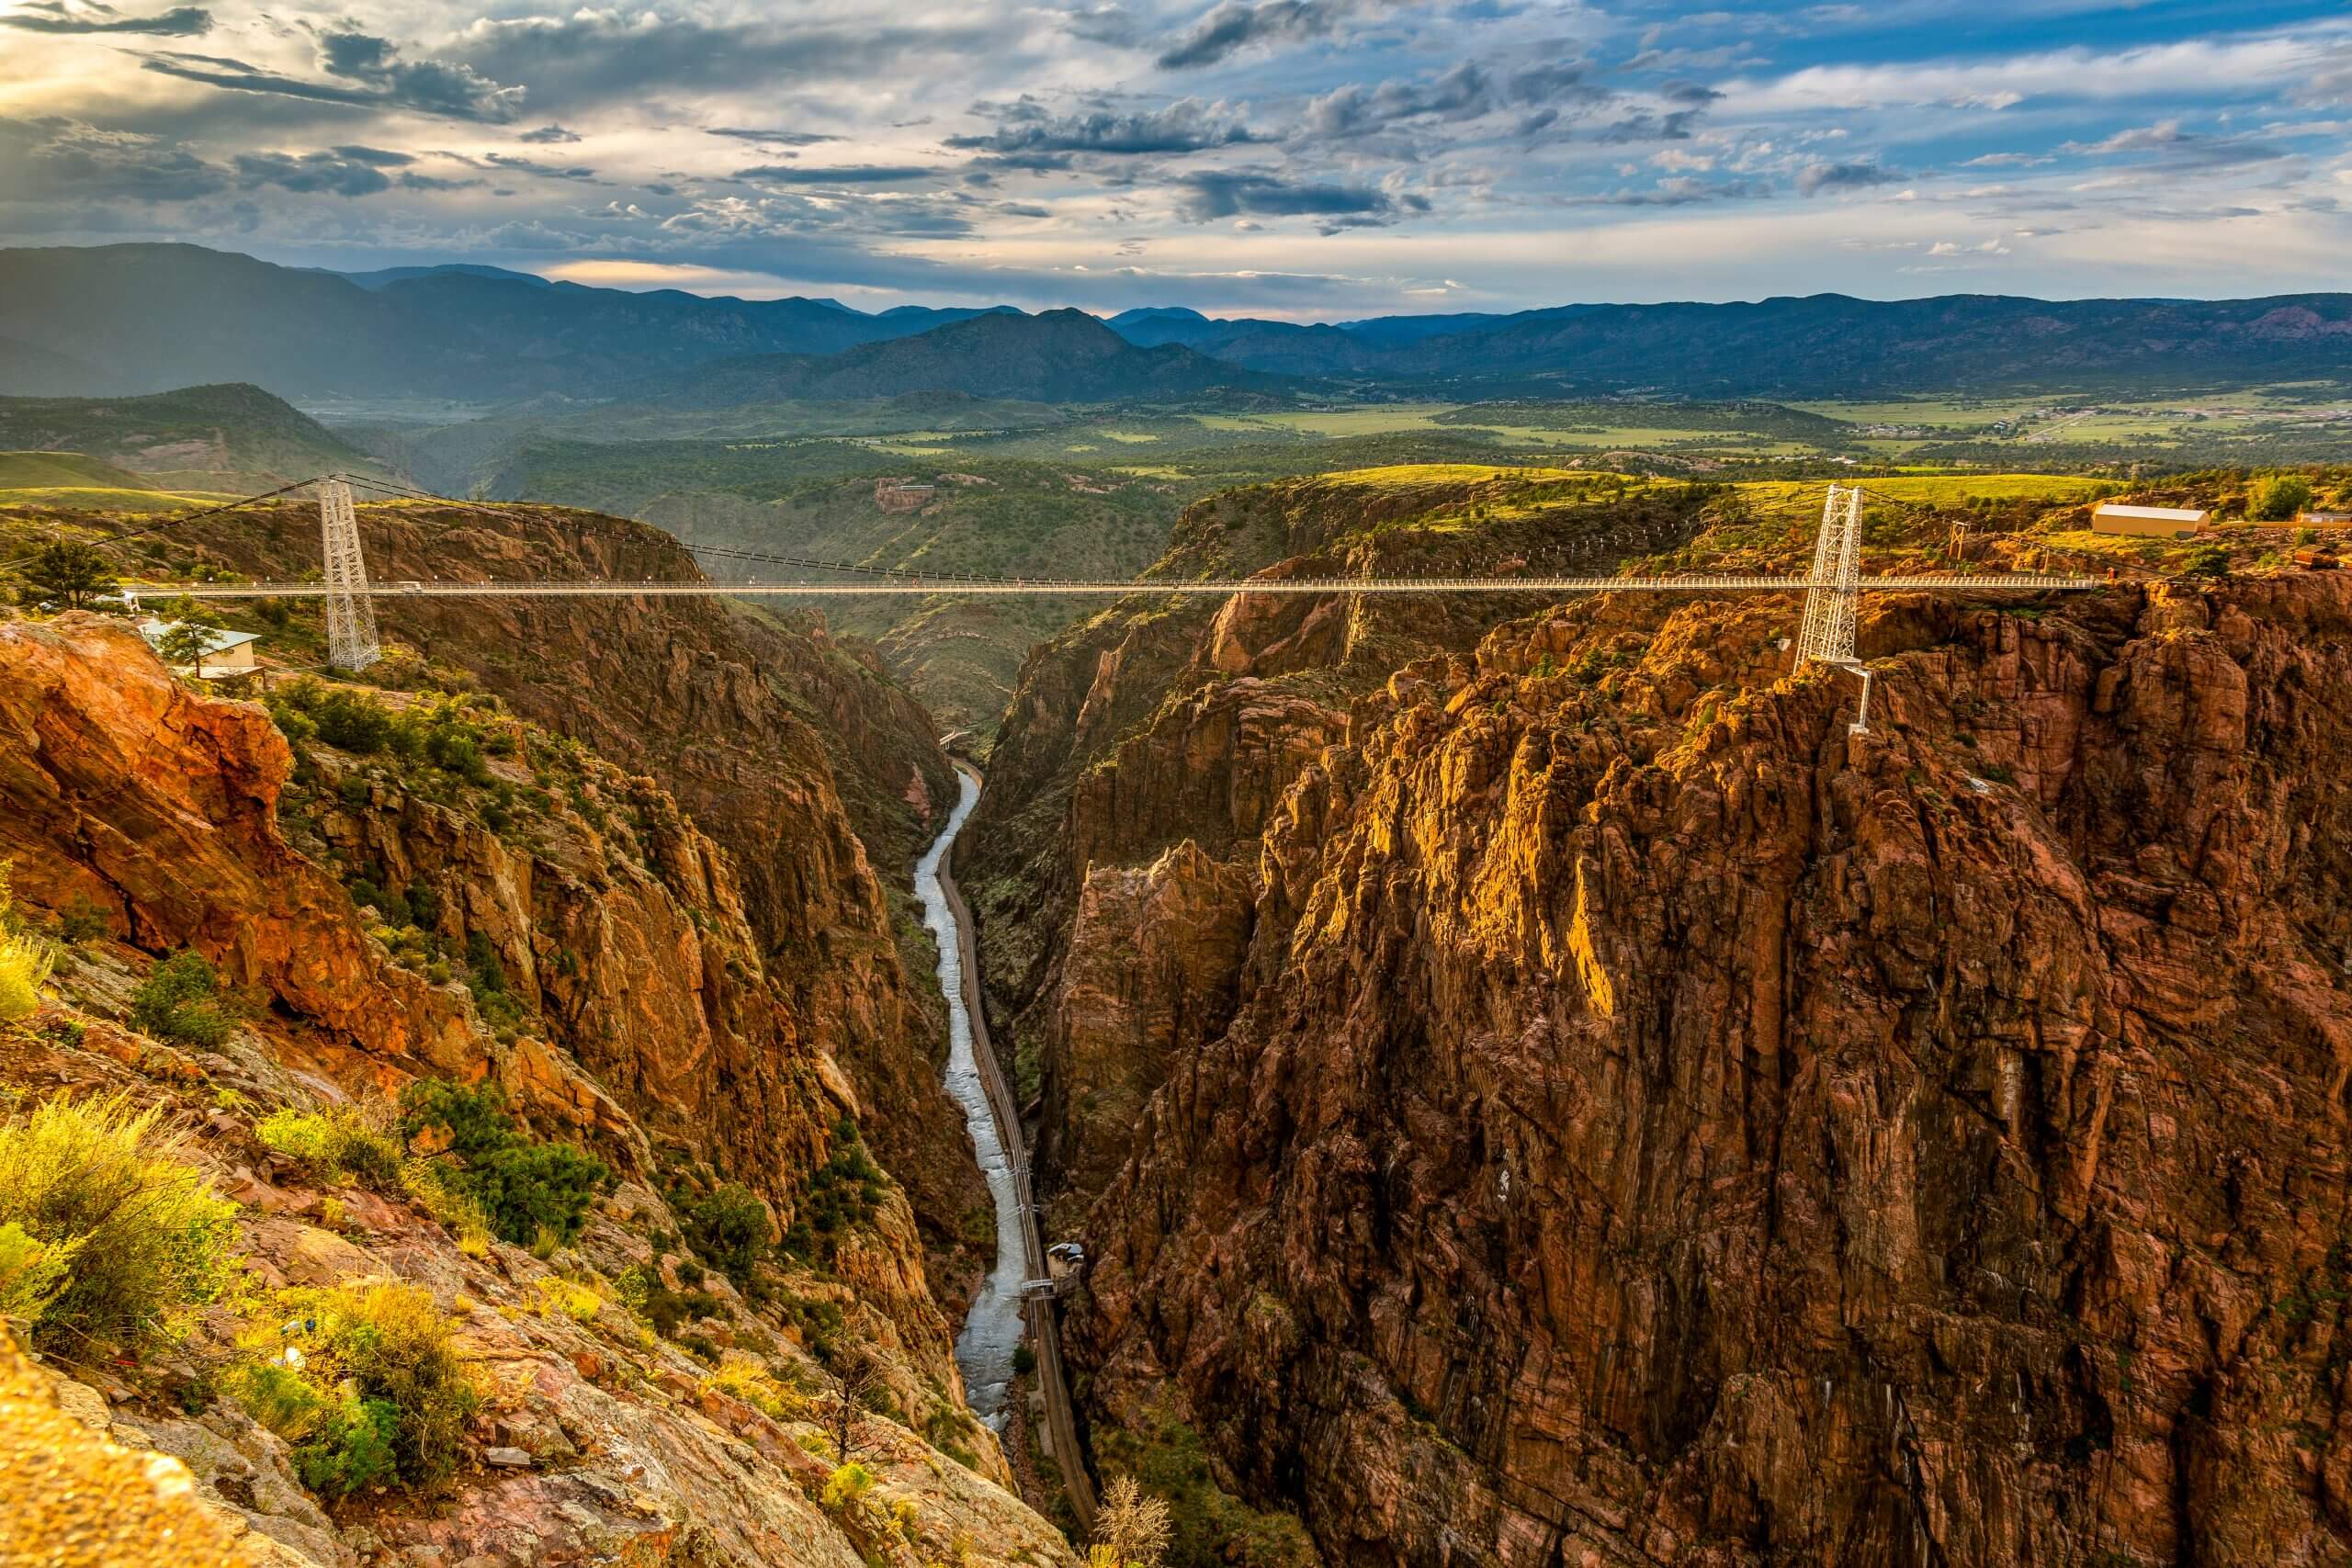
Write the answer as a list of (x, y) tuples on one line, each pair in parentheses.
[(926, 587)]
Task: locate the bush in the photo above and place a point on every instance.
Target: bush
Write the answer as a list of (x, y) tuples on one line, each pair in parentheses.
[(180, 1000), (404, 1390), (338, 1144), (523, 1188), (143, 1237), (81, 921), (24, 965), (2279, 497), (847, 1484), (31, 1275), (729, 1228), (843, 1192)]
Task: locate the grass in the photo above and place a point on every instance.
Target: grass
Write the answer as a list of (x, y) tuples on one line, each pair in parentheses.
[(1406, 475), (25, 961), (103, 498), (131, 1239)]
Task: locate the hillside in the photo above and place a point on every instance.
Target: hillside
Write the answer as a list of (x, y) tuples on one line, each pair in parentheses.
[(1060, 357), (24, 470), (234, 438), (141, 318)]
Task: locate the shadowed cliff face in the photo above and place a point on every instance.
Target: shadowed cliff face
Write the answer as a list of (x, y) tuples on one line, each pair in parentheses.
[(1654, 1127), (1599, 1112)]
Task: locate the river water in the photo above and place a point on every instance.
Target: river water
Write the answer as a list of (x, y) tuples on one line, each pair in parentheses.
[(992, 1330)]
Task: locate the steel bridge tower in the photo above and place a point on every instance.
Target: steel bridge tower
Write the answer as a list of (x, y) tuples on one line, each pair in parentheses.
[(351, 611), (1827, 636)]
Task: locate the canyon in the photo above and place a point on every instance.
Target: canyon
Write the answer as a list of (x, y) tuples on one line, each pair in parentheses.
[(1528, 1084), (1542, 1092)]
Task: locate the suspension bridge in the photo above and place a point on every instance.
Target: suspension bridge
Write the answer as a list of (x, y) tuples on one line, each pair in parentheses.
[(1831, 589)]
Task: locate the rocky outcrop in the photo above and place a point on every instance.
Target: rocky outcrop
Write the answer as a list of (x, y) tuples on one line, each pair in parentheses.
[(787, 747), (1655, 1127), (636, 1016)]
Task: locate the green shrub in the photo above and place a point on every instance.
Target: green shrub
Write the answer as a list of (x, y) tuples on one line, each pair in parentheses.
[(843, 1193), (31, 1275), (847, 1484), (180, 1000), (2279, 497), (729, 1228), (143, 1238), (81, 921), (523, 1188), (382, 1393)]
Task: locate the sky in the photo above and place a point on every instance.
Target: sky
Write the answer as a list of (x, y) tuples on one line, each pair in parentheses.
[(1297, 159)]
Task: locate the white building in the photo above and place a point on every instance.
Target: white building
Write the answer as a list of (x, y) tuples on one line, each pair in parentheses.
[(225, 652), (2148, 522)]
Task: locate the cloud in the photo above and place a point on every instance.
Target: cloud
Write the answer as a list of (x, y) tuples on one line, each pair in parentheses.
[(840, 174), (2176, 148), (1233, 25), (52, 157), (428, 86), (589, 56), (1675, 190), (548, 135), (533, 166), (1814, 178), (1187, 125), (1210, 195), (771, 138), (345, 171), (46, 16)]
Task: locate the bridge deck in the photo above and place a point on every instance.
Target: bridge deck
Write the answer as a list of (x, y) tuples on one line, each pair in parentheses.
[(925, 587)]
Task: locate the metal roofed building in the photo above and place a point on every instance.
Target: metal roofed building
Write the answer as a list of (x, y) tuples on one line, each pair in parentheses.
[(2149, 522)]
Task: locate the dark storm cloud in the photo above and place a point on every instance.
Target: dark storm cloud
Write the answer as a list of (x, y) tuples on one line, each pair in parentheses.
[(845, 174), (1185, 126), (181, 21), (1814, 178), (383, 80), (1210, 195), (1234, 25), (593, 57), (548, 135)]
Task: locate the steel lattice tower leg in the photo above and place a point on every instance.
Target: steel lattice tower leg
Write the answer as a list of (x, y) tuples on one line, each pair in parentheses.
[(351, 614), (1827, 636)]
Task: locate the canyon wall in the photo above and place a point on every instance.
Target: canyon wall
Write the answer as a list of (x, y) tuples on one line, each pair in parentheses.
[(792, 751), (635, 1015), (1593, 1110)]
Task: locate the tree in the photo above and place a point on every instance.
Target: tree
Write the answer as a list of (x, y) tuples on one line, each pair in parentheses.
[(1132, 1529), (2278, 498), (186, 642), (860, 1375), (70, 571)]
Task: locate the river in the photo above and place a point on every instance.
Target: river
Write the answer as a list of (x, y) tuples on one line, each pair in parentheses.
[(992, 1330)]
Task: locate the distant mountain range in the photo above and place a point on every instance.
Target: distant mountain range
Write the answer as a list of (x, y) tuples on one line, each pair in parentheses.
[(1060, 357), (122, 318)]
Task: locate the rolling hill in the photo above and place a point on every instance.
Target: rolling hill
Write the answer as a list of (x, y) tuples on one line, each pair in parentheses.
[(235, 438)]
